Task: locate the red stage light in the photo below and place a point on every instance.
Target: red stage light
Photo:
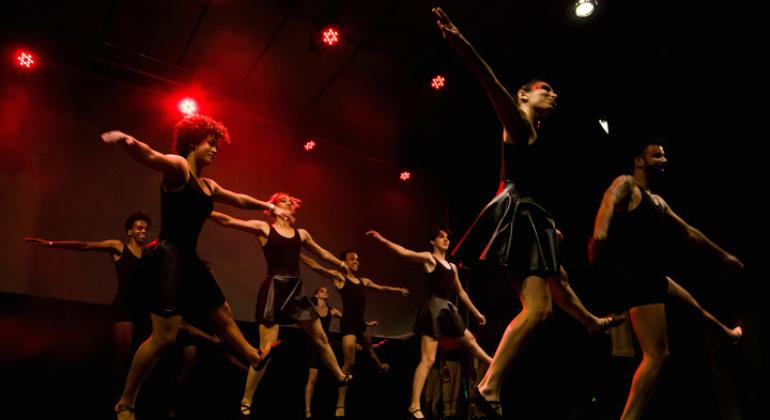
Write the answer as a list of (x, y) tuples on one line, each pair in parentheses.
[(438, 82), (330, 36), (405, 176), (25, 59), (310, 145), (188, 107)]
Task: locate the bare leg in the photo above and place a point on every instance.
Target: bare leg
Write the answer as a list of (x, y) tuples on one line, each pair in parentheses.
[(267, 336), (164, 331), (230, 333), (649, 323), (679, 292), (536, 309), (368, 347), (312, 377), (568, 300), (315, 331), (469, 341), (428, 347), (349, 353), (122, 334)]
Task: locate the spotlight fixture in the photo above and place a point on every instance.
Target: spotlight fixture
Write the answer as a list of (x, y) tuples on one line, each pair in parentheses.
[(330, 36), (188, 107), (405, 176), (25, 59), (585, 8), (438, 82), (310, 145)]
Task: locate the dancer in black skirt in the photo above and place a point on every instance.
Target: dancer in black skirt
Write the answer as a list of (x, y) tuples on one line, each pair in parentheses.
[(126, 309), (353, 327), (179, 282), (633, 227), (513, 231), (325, 313), (438, 317), (282, 299)]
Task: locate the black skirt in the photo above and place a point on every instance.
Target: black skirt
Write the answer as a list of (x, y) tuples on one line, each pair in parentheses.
[(626, 285), (282, 300), (175, 281), (512, 232), (439, 317)]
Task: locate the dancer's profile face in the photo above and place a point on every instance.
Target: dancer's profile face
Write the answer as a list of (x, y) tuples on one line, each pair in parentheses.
[(540, 96), (654, 160), (285, 202), (206, 150), (441, 241), (138, 231), (322, 293), (351, 260)]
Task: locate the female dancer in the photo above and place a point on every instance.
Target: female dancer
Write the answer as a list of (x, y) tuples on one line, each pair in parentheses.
[(438, 317), (513, 231), (353, 328), (282, 299), (325, 313), (180, 281)]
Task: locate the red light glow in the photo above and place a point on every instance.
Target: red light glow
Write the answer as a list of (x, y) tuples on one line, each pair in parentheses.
[(405, 176), (438, 82), (310, 145), (188, 107), (25, 59), (330, 36)]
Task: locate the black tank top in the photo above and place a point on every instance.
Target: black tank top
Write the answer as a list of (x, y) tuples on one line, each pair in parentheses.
[(183, 213), (326, 321), (519, 163), (441, 281), (353, 300), (124, 267), (639, 236), (282, 253)]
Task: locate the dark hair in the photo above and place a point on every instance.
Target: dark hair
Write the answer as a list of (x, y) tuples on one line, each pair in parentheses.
[(639, 145), (438, 230), (344, 254), (129, 223), (192, 130), (313, 298)]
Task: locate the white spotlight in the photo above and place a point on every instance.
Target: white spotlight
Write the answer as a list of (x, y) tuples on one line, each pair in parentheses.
[(585, 8), (605, 125)]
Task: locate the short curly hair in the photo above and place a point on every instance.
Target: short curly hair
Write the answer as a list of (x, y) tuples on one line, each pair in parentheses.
[(192, 130), (129, 223), (278, 196)]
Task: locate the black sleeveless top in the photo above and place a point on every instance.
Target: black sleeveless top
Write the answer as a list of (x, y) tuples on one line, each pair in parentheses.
[(519, 163), (441, 281), (183, 213), (282, 253), (639, 236), (353, 300), (326, 321), (124, 267)]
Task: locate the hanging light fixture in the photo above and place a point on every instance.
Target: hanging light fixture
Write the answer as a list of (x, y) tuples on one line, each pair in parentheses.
[(585, 8)]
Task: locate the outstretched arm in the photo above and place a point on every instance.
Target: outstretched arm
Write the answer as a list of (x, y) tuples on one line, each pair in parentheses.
[(418, 257), (311, 245), (257, 227), (698, 238), (244, 201), (173, 167), (619, 191), (382, 288), (514, 122), (111, 246), (315, 266), (466, 300)]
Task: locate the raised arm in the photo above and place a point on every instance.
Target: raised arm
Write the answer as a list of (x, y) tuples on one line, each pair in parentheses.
[(315, 266), (257, 227), (311, 245), (618, 192), (382, 288), (513, 120), (110, 246), (418, 257), (244, 201), (466, 300), (173, 167), (697, 237)]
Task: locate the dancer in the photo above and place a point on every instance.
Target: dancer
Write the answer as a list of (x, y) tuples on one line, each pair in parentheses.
[(438, 317), (513, 231), (127, 311), (180, 282), (353, 328), (633, 226), (325, 313), (282, 299)]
